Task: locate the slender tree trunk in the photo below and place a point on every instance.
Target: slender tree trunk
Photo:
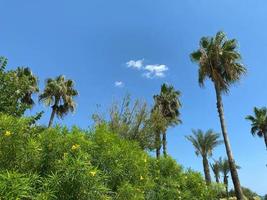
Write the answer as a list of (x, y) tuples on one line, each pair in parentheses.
[(232, 166), (158, 144), (206, 170), (265, 139), (217, 178), (52, 116), (164, 143)]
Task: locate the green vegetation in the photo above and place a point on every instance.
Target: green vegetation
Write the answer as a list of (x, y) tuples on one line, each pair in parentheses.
[(16, 89), (58, 163)]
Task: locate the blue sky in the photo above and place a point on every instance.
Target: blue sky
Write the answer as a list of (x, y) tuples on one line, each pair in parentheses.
[(91, 41)]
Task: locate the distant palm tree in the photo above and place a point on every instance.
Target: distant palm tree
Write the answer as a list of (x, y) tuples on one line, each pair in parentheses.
[(168, 103), (25, 73), (259, 123), (219, 61), (204, 144), (216, 170), (58, 94), (158, 125), (225, 169)]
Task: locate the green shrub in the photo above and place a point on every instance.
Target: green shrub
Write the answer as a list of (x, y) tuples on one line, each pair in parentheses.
[(18, 148), (120, 160), (14, 185), (76, 178), (59, 164)]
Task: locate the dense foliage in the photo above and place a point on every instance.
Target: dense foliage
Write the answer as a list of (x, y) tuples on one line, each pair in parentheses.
[(16, 88), (57, 163)]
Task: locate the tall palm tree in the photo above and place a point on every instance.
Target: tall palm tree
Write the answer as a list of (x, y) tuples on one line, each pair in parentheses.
[(59, 94), (216, 170), (259, 123), (168, 103), (25, 73), (218, 60), (204, 144)]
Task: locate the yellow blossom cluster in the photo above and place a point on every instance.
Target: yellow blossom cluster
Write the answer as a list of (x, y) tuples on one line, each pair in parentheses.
[(7, 133), (75, 147), (93, 173)]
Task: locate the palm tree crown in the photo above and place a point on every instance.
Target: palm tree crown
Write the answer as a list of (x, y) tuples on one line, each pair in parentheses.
[(168, 103), (259, 123), (204, 143), (219, 61), (25, 73), (59, 93), (216, 170)]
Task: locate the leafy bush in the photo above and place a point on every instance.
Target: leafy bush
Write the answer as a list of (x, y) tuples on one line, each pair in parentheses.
[(14, 185), (58, 163)]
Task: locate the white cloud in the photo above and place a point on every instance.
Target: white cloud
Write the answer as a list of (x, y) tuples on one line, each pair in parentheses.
[(155, 71), (118, 84), (149, 71), (138, 64)]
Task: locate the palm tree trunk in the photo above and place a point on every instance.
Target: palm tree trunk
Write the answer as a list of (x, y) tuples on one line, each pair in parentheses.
[(217, 179), (52, 116), (206, 170), (234, 174), (265, 139), (225, 180), (164, 143), (158, 144)]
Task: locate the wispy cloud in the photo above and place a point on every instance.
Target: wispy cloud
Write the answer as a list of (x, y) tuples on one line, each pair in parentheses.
[(119, 84), (149, 71), (138, 64), (155, 71)]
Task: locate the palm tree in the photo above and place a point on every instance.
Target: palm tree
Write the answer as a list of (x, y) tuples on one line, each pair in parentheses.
[(204, 144), (225, 169), (219, 61), (58, 94), (259, 123), (25, 73), (158, 124), (216, 170), (168, 103)]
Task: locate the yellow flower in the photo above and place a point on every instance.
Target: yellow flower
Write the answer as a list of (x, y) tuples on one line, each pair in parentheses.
[(65, 155), (8, 133), (145, 160), (75, 147), (93, 173), (141, 178)]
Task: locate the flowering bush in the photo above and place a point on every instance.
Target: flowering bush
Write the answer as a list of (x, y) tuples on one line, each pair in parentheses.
[(58, 163)]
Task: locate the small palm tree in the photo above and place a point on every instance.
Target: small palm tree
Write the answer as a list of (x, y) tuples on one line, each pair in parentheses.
[(168, 103), (219, 61), (225, 169), (216, 170), (27, 75), (204, 144), (259, 123), (58, 94)]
